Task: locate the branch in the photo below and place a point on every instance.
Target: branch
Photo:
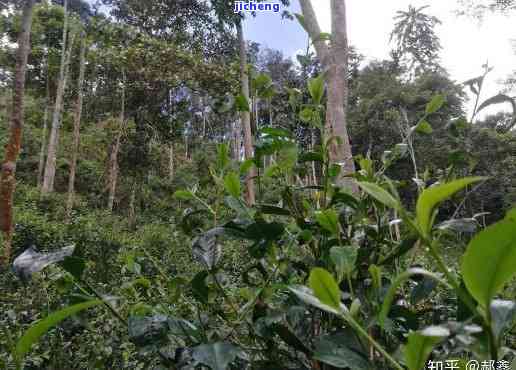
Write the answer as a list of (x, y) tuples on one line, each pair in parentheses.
[(314, 31)]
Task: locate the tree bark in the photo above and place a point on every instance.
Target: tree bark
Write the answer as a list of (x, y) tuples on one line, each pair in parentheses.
[(132, 207), (53, 142), (335, 62), (237, 140), (41, 163), (336, 116), (113, 159), (12, 150), (76, 129), (246, 116)]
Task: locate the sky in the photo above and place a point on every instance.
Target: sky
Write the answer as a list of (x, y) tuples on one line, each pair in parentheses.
[(467, 43)]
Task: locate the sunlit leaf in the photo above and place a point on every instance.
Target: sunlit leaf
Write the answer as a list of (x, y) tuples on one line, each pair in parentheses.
[(424, 127), (435, 104), (232, 184), (241, 103), (183, 194), (490, 260), (325, 287), (329, 220), (316, 89), (307, 296)]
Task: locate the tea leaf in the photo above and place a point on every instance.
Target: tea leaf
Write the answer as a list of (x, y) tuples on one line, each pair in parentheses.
[(430, 198), (325, 287), (38, 329), (490, 260)]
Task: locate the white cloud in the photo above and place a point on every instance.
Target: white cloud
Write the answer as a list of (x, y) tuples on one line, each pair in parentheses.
[(467, 44)]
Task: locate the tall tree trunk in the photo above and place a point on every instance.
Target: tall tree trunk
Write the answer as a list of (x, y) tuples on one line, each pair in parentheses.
[(246, 116), (336, 116), (335, 62), (12, 149), (113, 159), (66, 52), (41, 163), (76, 129), (132, 207), (237, 140)]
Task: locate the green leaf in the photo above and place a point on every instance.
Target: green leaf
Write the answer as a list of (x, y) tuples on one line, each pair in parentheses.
[(276, 132), (274, 210), (222, 156), (335, 350), (74, 265), (262, 82), (176, 287), (380, 194), (183, 195), (424, 127), (307, 295), (344, 259), (241, 103), (316, 89), (329, 220), (334, 170), (400, 279), (306, 115), (376, 277), (290, 338), (199, 288), (403, 248), (232, 184), (435, 104), (420, 344), (217, 356), (430, 198), (323, 36), (246, 165), (38, 329), (490, 260), (325, 287), (311, 157)]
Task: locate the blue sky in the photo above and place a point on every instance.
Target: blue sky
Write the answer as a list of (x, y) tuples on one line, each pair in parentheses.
[(270, 30), (467, 43)]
